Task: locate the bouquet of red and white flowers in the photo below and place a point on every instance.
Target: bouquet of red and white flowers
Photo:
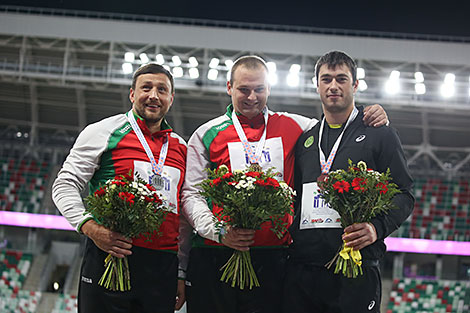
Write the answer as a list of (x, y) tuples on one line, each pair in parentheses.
[(132, 208), (358, 194), (247, 198)]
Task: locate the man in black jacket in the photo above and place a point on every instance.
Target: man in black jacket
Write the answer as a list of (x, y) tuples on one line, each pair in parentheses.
[(316, 231)]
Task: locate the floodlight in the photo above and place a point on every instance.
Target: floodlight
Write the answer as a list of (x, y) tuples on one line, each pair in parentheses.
[(144, 58), (449, 78), (420, 88), (129, 57), (214, 63), (212, 74), (362, 85), (127, 68), (176, 60), (447, 90), (392, 86), (272, 78), (178, 71), (361, 73), (193, 73), (394, 75), (160, 59), (229, 64), (193, 61), (293, 79), (419, 77), (294, 68), (271, 67)]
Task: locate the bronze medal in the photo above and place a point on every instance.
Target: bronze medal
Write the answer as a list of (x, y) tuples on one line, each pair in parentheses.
[(255, 167)]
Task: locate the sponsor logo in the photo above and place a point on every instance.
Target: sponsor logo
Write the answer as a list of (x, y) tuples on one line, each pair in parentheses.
[(87, 280), (125, 129), (304, 222), (328, 220), (308, 142), (360, 138), (371, 305), (317, 220), (222, 126), (338, 220)]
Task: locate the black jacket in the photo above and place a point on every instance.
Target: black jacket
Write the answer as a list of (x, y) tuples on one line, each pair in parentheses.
[(380, 149)]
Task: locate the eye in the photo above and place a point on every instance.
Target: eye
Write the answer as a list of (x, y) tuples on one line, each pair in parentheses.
[(259, 90)]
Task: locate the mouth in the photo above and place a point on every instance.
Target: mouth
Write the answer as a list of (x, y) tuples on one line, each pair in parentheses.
[(334, 96), (153, 106)]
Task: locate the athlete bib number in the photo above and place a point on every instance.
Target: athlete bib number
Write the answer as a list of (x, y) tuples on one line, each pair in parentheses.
[(314, 211), (170, 180)]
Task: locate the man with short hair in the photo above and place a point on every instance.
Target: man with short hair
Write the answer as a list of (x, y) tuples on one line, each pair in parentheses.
[(341, 135), (221, 142), (136, 141)]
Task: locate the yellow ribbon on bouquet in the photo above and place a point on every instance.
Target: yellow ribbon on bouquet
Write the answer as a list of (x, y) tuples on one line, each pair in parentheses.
[(348, 252)]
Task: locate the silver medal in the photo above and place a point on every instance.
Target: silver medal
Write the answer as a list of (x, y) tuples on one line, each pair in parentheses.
[(157, 182)]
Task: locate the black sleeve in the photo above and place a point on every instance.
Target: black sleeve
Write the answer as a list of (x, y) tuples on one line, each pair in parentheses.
[(391, 155)]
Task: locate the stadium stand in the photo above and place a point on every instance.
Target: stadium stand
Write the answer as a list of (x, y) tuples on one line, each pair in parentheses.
[(442, 211), (423, 296), (22, 184)]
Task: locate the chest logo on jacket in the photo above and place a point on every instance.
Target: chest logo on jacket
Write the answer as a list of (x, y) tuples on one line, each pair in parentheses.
[(308, 142), (360, 138)]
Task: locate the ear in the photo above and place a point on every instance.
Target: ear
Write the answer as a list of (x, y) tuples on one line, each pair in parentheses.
[(229, 88), (355, 86), (131, 95), (172, 98)]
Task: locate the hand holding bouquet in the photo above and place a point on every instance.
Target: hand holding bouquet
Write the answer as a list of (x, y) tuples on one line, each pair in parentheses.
[(247, 198), (131, 208), (358, 194)]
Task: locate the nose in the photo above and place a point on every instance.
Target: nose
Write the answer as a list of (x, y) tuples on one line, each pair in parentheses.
[(333, 84), (252, 95), (153, 94)]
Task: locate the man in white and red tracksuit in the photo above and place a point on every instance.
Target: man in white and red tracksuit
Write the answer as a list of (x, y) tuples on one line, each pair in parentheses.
[(110, 148), (316, 231), (218, 142)]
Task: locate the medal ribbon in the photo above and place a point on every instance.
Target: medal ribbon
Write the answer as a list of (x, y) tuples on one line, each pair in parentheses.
[(253, 156), (326, 164), (156, 168)]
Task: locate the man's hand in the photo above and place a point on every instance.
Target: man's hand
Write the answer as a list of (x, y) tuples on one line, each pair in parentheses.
[(375, 116), (180, 295), (108, 241), (359, 236), (238, 238)]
